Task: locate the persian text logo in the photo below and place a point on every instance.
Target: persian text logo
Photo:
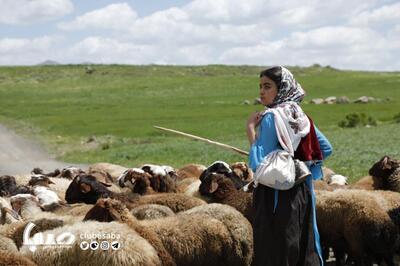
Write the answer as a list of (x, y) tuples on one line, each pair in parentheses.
[(47, 240)]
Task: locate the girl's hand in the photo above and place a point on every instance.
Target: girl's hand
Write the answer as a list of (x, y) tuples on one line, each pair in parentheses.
[(254, 119)]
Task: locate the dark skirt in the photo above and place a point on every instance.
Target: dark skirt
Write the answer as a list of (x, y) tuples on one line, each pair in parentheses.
[(283, 234)]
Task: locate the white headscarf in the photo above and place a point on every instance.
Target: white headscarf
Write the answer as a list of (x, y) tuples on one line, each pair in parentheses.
[(291, 123)]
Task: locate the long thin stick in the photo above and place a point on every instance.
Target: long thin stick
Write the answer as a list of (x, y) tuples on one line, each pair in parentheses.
[(205, 140)]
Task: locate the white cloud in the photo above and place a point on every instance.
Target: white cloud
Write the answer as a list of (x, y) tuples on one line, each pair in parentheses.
[(16, 12), (14, 51), (115, 16), (343, 47), (383, 14), (107, 50)]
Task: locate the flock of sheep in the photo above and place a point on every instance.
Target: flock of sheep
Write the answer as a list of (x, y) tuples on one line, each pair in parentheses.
[(194, 215)]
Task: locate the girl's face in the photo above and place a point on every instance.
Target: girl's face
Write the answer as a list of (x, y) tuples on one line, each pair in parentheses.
[(268, 90)]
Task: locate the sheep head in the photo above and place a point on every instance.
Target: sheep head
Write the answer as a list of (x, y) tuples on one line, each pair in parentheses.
[(220, 167), (18, 201), (107, 210), (384, 167), (136, 179), (216, 185), (85, 188), (40, 180), (161, 179), (242, 170), (71, 172), (7, 185)]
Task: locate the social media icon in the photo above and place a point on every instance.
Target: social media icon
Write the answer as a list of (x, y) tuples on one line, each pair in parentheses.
[(105, 245), (94, 245), (115, 245), (84, 245)]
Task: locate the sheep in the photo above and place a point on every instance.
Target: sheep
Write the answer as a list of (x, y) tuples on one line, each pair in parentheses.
[(137, 180), (190, 171), (28, 206), (70, 172), (383, 175), (162, 178), (361, 227), (8, 186), (7, 214), (222, 190), (221, 167), (13, 258), (242, 170), (48, 199), (38, 171), (113, 170), (191, 239), (7, 244), (87, 189), (134, 249), (239, 227), (151, 211)]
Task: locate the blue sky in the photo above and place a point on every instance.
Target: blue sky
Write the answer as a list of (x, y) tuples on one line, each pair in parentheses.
[(347, 34)]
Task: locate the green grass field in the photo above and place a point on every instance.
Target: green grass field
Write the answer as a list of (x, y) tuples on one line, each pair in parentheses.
[(62, 107)]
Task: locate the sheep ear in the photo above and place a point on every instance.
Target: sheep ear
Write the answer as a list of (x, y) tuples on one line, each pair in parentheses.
[(85, 188), (51, 182), (386, 164), (213, 186), (105, 184), (11, 212)]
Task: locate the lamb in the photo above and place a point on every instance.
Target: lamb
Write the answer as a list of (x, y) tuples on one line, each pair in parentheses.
[(190, 171), (191, 239), (383, 175), (222, 190), (362, 228), (87, 189), (134, 250)]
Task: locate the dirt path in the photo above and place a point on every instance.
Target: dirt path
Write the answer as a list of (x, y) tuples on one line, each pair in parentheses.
[(20, 156)]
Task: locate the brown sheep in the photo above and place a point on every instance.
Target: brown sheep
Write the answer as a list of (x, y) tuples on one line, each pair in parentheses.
[(191, 239), (87, 189), (242, 170), (114, 170), (352, 222), (190, 171), (383, 175), (8, 258), (222, 190)]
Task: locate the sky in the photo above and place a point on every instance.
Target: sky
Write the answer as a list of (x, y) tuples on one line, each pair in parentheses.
[(345, 34)]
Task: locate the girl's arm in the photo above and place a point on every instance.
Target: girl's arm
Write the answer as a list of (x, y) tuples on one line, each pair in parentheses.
[(324, 144)]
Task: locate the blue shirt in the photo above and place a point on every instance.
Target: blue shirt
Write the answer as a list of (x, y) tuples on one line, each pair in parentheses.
[(267, 141)]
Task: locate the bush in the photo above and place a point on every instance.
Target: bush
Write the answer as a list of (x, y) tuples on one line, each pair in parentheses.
[(357, 119), (396, 118)]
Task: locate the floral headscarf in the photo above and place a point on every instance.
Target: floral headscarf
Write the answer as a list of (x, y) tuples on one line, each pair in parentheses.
[(289, 89)]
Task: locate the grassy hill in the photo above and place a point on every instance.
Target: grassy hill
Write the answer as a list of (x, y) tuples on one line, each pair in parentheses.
[(108, 115)]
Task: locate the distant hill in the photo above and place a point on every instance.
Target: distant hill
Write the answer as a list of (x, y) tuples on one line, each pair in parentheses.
[(48, 63)]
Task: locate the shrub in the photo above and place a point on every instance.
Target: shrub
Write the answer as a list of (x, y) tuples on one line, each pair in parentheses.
[(396, 118), (357, 119)]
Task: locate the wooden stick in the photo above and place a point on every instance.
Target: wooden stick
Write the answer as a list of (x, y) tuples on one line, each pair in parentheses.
[(204, 140)]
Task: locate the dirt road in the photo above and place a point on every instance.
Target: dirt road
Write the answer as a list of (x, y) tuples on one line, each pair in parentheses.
[(20, 156)]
